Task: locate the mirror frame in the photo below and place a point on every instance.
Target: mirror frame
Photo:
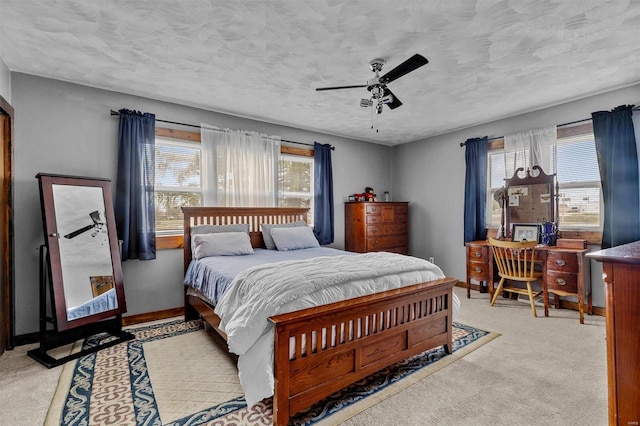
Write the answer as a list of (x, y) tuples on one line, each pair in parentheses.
[(529, 179), (52, 236)]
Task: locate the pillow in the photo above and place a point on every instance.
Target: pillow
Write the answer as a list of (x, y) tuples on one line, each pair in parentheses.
[(221, 244), (266, 231), (209, 229), (296, 238)]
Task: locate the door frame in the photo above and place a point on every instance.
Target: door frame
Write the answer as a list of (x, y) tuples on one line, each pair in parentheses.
[(7, 325)]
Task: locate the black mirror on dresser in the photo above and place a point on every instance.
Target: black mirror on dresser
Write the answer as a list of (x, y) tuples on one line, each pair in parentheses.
[(81, 285)]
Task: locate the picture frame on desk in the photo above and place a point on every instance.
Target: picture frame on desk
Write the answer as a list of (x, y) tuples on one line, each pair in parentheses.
[(525, 232)]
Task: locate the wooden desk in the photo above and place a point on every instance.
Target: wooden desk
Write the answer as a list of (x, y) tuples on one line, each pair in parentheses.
[(565, 272), (621, 272)]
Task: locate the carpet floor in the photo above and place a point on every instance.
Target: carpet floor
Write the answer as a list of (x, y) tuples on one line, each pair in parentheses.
[(175, 373)]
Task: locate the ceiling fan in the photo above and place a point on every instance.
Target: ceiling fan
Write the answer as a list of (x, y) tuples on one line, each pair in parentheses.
[(95, 217), (380, 93)]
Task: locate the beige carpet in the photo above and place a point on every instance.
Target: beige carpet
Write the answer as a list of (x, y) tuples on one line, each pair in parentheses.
[(541, 371), (176, 373)]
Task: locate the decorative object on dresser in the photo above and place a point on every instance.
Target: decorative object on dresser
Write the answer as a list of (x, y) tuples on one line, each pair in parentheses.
[(621, 269), (378, 226)]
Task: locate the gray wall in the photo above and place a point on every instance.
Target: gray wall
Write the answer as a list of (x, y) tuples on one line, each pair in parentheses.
[(65, 128), (430, 174), (5, 81)]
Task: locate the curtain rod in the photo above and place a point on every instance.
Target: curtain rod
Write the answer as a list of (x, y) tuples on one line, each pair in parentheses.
[(559, 125), (116, 113)]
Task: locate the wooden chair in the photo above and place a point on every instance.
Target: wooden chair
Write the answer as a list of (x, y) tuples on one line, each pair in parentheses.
[(515, 261)]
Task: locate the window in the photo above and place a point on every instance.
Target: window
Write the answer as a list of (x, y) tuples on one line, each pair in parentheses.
[(177, 182), (580, 201), (295, 182)]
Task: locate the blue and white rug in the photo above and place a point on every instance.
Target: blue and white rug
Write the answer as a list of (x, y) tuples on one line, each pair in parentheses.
[(174, 373)]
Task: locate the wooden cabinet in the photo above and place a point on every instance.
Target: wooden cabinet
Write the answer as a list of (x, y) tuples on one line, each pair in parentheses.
[(567, 273), (478, 264), (376, 226), (621, 273)]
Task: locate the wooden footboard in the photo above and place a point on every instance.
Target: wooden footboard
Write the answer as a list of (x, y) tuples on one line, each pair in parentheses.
[(361, 336)]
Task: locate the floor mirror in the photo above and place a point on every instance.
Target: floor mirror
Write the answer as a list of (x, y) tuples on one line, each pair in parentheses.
[(81, 285)]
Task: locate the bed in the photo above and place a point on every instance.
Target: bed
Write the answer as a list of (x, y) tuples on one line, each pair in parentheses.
[(319, 350)]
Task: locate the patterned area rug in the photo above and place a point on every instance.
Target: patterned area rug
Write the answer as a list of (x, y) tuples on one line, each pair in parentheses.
[(175, 373)]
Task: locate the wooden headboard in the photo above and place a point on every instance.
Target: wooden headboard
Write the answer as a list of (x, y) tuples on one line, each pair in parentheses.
[(254, 216)]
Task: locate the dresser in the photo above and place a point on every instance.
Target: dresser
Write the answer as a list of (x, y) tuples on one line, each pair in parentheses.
[(376, 226), (621, 273), (566, 272), (478, 264)]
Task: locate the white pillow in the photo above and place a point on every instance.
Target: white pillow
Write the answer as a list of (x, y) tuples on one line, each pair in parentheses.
[(208, 229), (266, 231), (296, 238), (221, 244)]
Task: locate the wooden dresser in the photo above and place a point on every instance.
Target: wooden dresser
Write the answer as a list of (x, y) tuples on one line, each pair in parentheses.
[(621, 273), (565, 272), (376, 226)]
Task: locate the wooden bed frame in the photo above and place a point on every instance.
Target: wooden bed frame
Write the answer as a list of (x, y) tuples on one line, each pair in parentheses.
[(368, 333)]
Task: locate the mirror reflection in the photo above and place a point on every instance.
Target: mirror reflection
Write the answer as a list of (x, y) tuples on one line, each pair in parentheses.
[(85, 254)]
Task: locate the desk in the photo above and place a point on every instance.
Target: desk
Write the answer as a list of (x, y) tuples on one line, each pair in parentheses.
[(565, 272)]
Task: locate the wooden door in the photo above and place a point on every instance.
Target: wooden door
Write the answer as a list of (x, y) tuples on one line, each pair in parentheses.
[(6, 270)]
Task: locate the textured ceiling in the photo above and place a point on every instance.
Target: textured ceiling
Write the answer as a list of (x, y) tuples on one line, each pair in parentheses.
[(488, 59)]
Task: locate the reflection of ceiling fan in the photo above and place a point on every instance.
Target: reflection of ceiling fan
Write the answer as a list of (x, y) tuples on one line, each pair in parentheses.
[(380, 93), (95, 217)]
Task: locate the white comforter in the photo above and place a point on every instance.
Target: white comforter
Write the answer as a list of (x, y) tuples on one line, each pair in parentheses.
[(266, 290)]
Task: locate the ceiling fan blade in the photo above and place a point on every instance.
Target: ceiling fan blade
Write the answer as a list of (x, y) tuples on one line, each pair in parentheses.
[(411, 64), (396, 102), (79, 231), (319, 89)]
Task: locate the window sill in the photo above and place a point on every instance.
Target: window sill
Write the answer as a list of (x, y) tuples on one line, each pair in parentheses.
[(167, 242)]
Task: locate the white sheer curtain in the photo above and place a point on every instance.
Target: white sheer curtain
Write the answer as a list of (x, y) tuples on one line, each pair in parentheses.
[(531, 148), (240, 169)]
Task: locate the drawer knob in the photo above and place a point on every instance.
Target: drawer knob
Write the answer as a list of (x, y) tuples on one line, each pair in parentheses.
[(560, 262), (477, 254), (478, 269), (560, 281)]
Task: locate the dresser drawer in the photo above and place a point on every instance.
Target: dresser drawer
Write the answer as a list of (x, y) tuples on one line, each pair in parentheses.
[(562, 281), (401, 209), (384, 243), (478, 271), (401, 218), (373, 209), (478, 254), (381, 230), (562, 262)]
